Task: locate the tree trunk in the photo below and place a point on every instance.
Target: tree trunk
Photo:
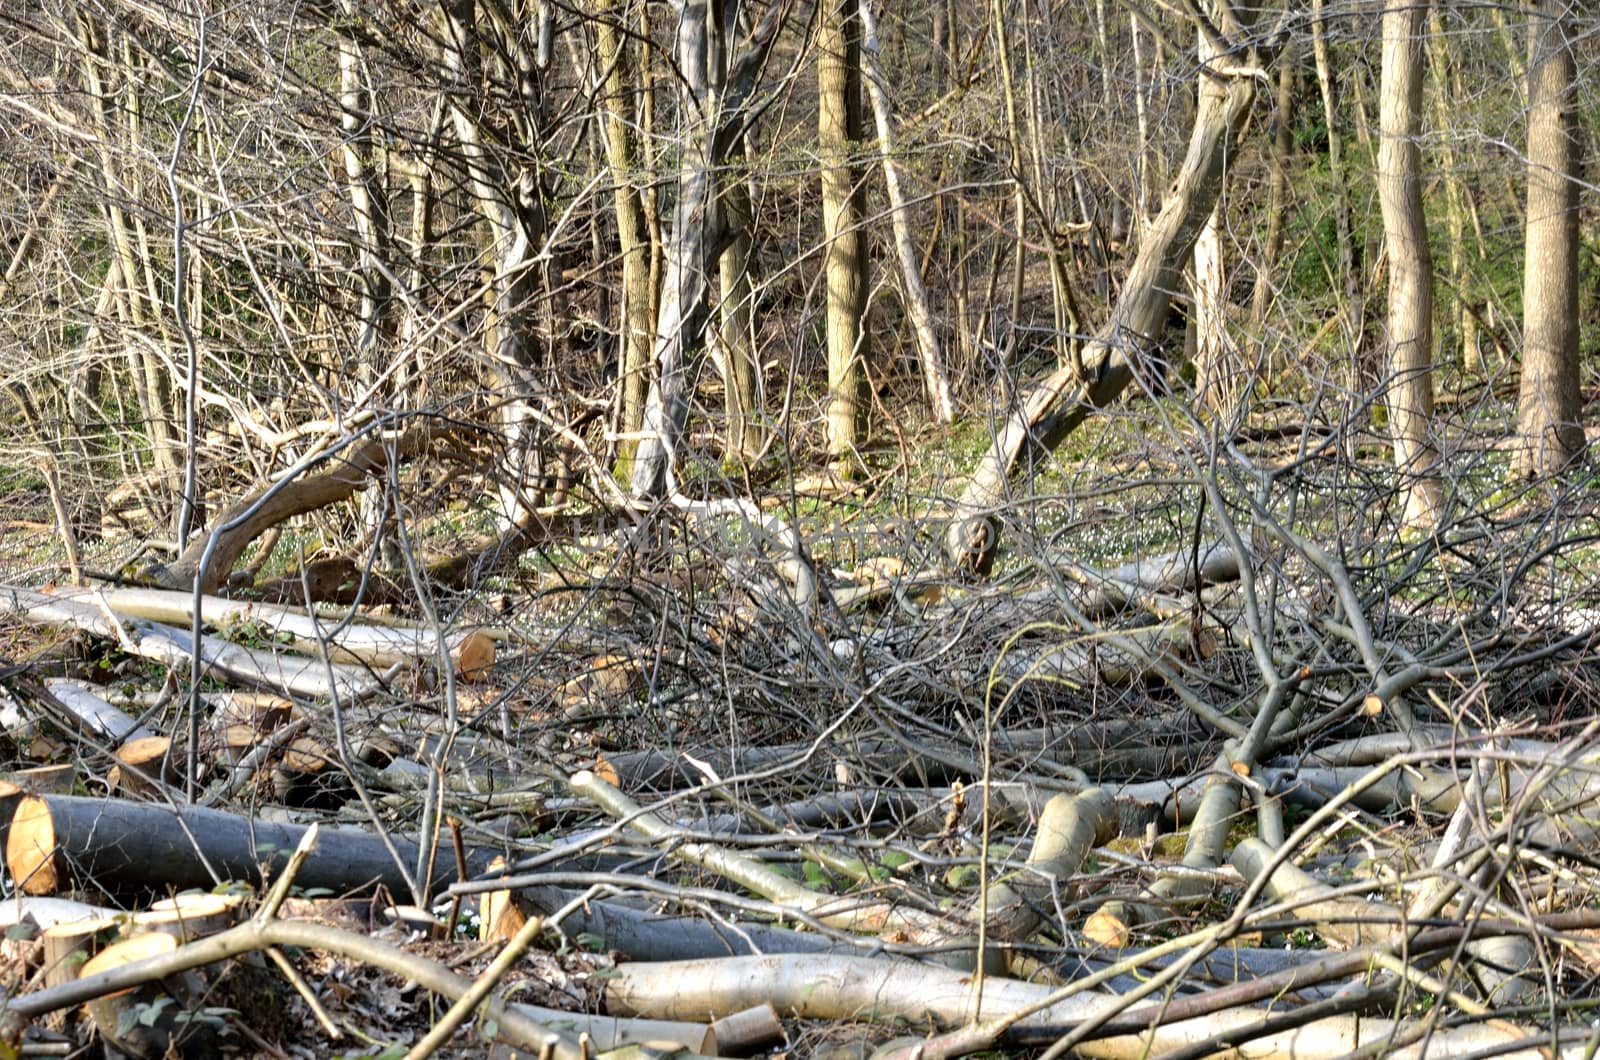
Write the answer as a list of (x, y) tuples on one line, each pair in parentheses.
[(637, 317), (839, 133), (1408, 391), (741, 370), (1352, 308), (683, 314), (59, 842), (934, 379), (512, 207), (370, 210), (1136, 328), (1278, 186), (1549, 404)]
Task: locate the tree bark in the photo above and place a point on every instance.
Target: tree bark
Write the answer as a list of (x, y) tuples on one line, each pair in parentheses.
[(839, 135), (741, 368), (934, 379), (683, 314), (622, 154), (1408, 391), (263, 508), (1352, 302), (1278, 186), (57, 842), (1549, 404), (288, 673), (1138, 323)]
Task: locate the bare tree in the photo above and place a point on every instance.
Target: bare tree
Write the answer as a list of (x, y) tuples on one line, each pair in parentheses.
[(1549, 400), (1409, 388), (616, 51), (839, 130), (1126, 345)]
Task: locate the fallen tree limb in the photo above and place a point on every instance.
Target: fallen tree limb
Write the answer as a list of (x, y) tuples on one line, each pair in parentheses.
[(851, 914), (355, 463), (525, 1025), (375, 646), (121, 847), (93, 714), (896, 992), (173, 647)]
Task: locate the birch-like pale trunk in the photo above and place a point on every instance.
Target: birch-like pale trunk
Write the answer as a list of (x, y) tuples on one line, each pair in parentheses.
[(1550, 401), (934, 379), (1065, 398), (1408, 391)]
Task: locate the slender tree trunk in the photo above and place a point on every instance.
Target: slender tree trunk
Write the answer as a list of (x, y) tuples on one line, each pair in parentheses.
[(370, 212), (741, 372), (1217, 376), (1408, 391), (1277, 187), (512, 208), (683, 313), (1019, 203), (1549, 402), (1454, 333), (934, 380), (839, 133), (1352, 307), (638, 310), (137, 307)]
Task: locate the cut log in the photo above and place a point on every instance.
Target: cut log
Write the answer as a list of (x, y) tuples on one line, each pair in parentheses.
[(144, 1022), (191, 916), (68, 945), (383, 646), (144, 765), (59, 842), (309, 776), (93, 713), (286, 672), (1069, 828)]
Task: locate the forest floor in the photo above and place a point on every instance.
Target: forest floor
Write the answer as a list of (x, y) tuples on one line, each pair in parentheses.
[(1214, 723)]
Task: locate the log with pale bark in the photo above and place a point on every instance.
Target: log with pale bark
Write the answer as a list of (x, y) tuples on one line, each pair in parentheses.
[(1125, 348), (549, 1032), (285, 672), (898, 992), (471, 652)]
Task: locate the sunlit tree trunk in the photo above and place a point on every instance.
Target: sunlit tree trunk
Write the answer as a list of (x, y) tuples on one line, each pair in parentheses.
[(1053, 410), (622, 155), (934, 379), (511, 205), (1408, 391), (683, 314), (370, 213), (137, 303), (839, 133), (1549, 401)]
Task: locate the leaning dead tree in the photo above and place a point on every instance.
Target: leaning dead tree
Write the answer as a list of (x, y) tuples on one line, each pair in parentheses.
[(1128, 344)]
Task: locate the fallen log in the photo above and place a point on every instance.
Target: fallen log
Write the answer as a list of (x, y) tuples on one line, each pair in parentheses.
[(61, 842), (900, 992), (173, 647), (471, 652), (93, 714), (547, 1032)]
